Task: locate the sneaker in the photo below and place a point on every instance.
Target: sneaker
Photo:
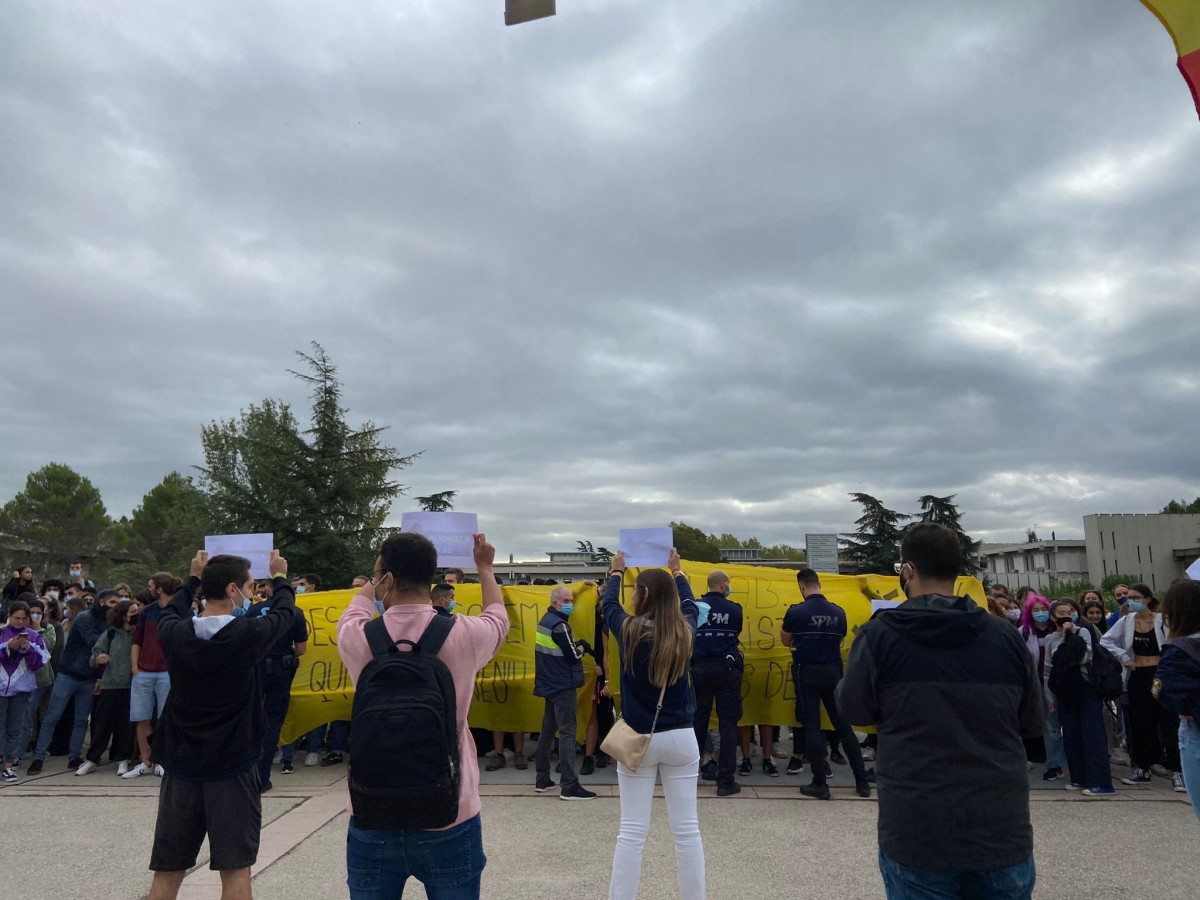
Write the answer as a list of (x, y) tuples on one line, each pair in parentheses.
[(35, 768), (728, 790), (837, 758), (312, 759), (769, 768), (819, 791), (576, 792), (543, 784), (1161, 771), (496, 762), (75, 762), (1177, 782), (1139, 776), (138, 771), (746, 766), (286, 768), (589, 766), (1052, 773), (868, 754), (1074, 786), (1099, 792), (862, 788), (794, 766), (709, 770), (828, 769), (160, 771), (9, 774), (332, 759), (123, 767), (522, 763), (87, 768)]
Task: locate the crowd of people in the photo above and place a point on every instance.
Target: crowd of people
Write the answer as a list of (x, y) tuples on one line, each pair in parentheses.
[(189, 681)]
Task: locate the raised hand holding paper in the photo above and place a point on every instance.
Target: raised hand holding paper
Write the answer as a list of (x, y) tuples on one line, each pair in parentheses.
[(453, 533), (254, 547), (646, 546)]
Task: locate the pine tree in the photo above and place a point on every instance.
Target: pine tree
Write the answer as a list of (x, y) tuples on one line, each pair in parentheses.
[(943, 511), (875, 546)]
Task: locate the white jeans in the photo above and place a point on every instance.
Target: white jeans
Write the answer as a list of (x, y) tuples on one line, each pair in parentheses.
[(675, 756)]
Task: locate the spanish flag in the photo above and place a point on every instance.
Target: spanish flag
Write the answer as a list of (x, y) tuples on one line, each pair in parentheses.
[(1182, 18)]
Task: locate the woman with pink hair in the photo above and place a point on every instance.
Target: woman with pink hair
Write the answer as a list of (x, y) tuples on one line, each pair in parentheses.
[(1037, 628)]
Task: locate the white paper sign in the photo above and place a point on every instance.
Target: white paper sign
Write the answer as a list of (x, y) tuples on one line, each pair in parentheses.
[(877, 604), (453, 533), (1193, 571), (254, 547), (645, 547)]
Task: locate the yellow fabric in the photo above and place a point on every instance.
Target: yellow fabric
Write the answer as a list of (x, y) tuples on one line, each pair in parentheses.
[(503, 698), (1182, 20)]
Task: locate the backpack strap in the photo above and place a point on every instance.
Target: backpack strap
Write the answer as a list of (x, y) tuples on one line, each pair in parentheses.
[(435, 634), (378, 638), (1187, 646)]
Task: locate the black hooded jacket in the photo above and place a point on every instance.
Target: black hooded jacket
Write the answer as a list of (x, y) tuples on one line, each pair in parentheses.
[(953, 691)]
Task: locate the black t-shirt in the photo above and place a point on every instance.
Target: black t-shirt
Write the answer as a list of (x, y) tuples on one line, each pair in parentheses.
[(818, 628), (285, 645)]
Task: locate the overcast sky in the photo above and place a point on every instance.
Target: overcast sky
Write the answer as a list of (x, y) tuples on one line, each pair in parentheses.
[(706, 260)]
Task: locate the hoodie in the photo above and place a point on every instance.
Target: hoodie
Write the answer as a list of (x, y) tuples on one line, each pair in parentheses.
[(953, 691), (18, 670)]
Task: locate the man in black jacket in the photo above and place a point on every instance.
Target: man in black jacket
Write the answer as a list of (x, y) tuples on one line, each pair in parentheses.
[(211, 733), (717, 667), (953, 691)]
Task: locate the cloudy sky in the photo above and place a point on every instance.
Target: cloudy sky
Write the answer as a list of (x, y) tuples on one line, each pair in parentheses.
[(715, 261)]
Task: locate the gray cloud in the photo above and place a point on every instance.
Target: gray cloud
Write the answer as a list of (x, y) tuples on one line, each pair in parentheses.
[(638, 262)]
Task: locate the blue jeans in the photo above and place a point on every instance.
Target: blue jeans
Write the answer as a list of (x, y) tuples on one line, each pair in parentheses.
[(12, 720), (65, 687), (902, 883), (1085, 740), (448, 863), (339, 737), (1056, 754), (1189, 755), (30, 716)]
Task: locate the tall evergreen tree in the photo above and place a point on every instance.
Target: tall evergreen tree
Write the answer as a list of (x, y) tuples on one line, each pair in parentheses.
[(57, 519), (440, 502), (943, 511), (875, 545), (323, 492)]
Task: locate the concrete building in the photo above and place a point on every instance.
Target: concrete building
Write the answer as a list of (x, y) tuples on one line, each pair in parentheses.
[(1039, 564), (1155, 548)]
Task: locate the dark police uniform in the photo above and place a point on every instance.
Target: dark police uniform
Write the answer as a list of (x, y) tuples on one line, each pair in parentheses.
[(818, 629), (277, 672), (557, 674), (717, 675)]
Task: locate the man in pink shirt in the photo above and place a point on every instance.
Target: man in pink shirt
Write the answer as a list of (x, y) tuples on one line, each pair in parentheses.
[(449, 861)]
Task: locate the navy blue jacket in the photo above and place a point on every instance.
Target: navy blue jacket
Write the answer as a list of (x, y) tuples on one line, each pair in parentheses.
[(1179, 675), (818, 628), (718, 637), (76, 659), (557, 661), (639, 697)]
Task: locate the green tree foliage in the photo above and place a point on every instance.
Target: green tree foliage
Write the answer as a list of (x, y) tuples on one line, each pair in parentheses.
[(170, 524), (1182, 506), (942, 511), (598, 554), (694, 545), (1067, 589), (875, 545), (1111, 581), (443, 502), (57, 519), (323, 492)]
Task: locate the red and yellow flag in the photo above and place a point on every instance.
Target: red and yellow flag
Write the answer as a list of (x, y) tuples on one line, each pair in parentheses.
[(1182, 19)]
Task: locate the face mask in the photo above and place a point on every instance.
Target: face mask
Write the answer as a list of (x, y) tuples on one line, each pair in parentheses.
[(77, 573), (1013, 615), (53, 595), (299, 589), (1041, 616), (1135, 605), (568, 608), (379, 607), (35, 617), (454, 603), (1074, 617), (728, 591)]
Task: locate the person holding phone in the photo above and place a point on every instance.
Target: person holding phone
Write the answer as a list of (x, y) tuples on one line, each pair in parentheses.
[(22, 653)]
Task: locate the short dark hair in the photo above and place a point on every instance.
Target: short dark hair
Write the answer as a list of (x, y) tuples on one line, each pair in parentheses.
[(220, 571), (808, 578), (17, 606), (38, 603), (26, 597), (1181, 607), (439, 589), (1064, 601), (457, 571), (932, 549), (51, 583), (411, 559)]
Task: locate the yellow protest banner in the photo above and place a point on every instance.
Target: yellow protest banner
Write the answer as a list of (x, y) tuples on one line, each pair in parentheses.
[(503, 699)]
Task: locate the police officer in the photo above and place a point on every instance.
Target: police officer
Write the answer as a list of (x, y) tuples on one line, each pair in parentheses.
[(276, 673), (815, 630), (558, 673), (717, 675)]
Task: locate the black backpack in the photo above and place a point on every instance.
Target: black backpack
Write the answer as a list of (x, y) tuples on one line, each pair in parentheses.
[(404, 764), (1107, 673)]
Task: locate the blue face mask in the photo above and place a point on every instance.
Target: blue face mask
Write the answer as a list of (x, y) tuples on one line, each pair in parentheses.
[(453, 603), (299, 589), (1074, 617), (1135, 605), (1041, 616), (568, 608), (728, 591), (379, 607)]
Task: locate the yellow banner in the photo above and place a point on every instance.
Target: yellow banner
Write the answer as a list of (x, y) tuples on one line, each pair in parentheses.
[(503, 698)]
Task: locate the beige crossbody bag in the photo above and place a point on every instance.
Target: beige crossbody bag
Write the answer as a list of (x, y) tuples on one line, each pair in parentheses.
[(627, 746)]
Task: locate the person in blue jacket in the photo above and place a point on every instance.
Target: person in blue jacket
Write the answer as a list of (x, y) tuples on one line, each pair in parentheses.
[(717, 667), (1177, 681), (655, 645)]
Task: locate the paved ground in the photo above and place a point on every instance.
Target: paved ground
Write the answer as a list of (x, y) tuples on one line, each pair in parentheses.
[(88, 838)]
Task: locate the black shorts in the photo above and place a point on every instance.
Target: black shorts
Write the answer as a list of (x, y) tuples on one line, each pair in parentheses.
[(228, 811)]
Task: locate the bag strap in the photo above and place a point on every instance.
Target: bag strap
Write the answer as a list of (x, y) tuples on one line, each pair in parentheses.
[(378, 638), (661, 695), (1187, 646), (435, 634)]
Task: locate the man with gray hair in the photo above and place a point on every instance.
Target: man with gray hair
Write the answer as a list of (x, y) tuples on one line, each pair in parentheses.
[(558, 674)]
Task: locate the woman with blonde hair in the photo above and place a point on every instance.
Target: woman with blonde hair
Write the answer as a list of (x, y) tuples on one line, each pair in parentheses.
[(655, 645)]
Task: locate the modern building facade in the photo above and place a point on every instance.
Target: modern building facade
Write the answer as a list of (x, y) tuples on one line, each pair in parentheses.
[(1155, 548), (1040, 564)]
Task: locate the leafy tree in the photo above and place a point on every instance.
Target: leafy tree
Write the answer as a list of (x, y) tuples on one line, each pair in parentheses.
[(1111, 581), (170, 524), (58, 518), (784, 551), (598, 554), (324, 492), (1030, 536), (875, 545), (694, 545), (443, 502), (942, 511), (1182, 506)]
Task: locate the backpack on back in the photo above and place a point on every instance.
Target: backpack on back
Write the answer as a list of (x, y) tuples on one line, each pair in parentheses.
[(404, 763)]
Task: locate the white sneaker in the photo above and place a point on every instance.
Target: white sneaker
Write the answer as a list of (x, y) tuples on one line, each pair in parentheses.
[(87, 768), (122, 767), (159, 771), (1177, 783), (138, 771), (312, 759)]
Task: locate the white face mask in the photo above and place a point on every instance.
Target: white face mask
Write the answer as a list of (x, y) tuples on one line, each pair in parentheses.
[(52, 594), (1013, 615)]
